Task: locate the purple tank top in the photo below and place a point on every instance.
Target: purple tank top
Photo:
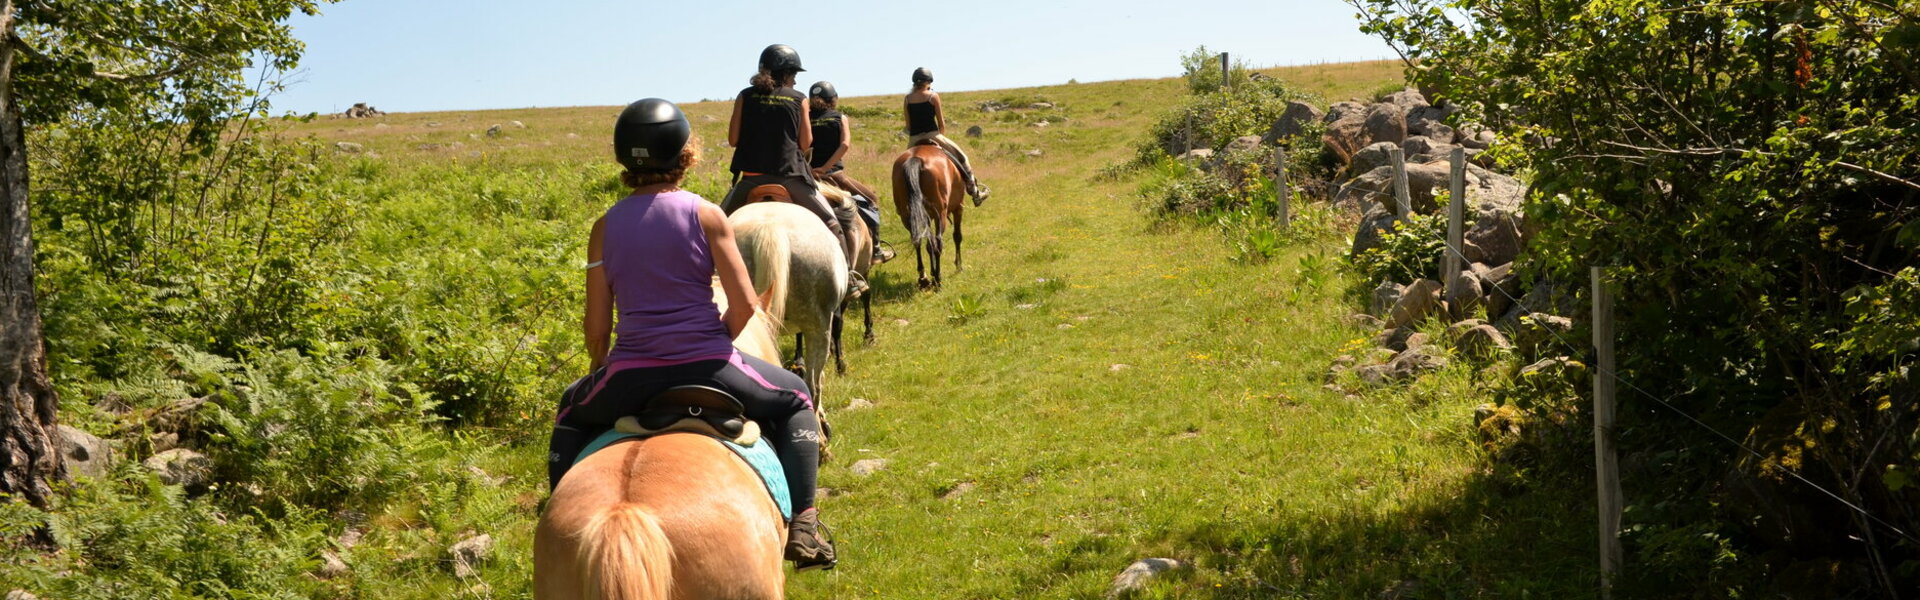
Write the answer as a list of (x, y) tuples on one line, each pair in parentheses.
[(661, 272)]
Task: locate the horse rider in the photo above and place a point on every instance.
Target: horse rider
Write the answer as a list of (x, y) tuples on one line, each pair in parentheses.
[(927, 123), (832, 139), (770, 134), (651, 259)]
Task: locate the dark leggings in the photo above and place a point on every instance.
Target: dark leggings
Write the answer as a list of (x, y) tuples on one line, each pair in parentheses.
[(774, 398), (804, 193)]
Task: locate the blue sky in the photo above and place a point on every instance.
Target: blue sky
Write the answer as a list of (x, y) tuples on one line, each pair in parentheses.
[(421, 55)]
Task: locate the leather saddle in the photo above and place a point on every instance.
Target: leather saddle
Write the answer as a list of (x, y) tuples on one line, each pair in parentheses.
[(693, 408), (771, 192)]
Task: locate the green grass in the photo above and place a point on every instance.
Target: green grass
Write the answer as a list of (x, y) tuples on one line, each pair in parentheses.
[(1094, 388)]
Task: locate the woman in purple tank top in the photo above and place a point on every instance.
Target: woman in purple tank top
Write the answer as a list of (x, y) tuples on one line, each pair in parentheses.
[(651, 259)]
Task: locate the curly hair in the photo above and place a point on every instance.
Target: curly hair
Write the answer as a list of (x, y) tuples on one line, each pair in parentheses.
[(689, 156)]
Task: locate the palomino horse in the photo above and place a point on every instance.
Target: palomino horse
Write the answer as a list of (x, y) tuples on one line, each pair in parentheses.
[(673, 516), (927, 189), (798, 266)]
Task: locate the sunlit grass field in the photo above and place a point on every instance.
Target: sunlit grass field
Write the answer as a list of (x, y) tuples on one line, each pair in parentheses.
[(1095, 387)]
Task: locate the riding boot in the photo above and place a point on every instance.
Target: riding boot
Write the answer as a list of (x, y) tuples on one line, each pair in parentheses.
[(808, 545), (979, 192)]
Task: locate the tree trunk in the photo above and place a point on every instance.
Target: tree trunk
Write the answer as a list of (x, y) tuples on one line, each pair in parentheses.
[(27, 404)]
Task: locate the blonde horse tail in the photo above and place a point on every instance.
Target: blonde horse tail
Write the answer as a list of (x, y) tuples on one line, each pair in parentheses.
[(919, 225), (770, 259), (625, 556)]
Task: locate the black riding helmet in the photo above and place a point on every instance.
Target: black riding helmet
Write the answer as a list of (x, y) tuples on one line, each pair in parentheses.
[(780, 57), (824, 91), (650, 135), (922, 75)]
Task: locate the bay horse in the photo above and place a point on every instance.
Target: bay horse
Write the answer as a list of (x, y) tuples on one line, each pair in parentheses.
[(671, 516), (927, 191)]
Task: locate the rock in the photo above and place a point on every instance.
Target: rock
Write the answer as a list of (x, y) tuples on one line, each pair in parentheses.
[(1422, 178), (181, 467), (493, 131), (1341, 110), (1245, 143), (83, 452), (1420, 299), (1034, 153), (178, 415), (1482, 340), (517, 124), (1366, 321), (1118, 367), (1463, 294), (1374, 156), (1501, 287), (1385, 296), (573, 136), (1416, 145), (1439, 132), (1412, 363), (1495, 238), (1417, 340), (468, 553), (1481, 140), (1292, 122), (869, 466), (349, 147), (1393, 339), (859, 404), (361, 110), (433, 123), (1341, 364), (331, 566), (1041, 123), (1541, 330), (1372, 375), (21, 595), (959, 490), (1406, 100), (1455, 330), (164, 440), (1373, 226), (427, 147), (1040, 105), (1546, 366), (1386, 122), (1346, 136), (1197, 154), (1138, 575), (975, 131)]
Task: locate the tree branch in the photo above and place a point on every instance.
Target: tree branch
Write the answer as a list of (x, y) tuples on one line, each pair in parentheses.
[(33, 53), (1883, 176)]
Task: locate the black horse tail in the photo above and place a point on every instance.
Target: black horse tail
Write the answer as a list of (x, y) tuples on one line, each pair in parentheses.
[(919, 225)]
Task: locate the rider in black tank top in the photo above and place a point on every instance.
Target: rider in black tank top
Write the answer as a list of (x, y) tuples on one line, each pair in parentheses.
[(773, 115), (920, 118), (828, 129)]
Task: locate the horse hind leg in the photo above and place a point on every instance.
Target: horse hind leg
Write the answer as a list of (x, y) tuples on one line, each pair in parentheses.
[(957, 266), (839, 355), (920, 267), (866, 306)]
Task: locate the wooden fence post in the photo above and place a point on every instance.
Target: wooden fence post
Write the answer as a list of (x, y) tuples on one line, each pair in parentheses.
[(1188, 133), (1607, 469), (1405, 202), (1282, 195), (1226, 72), (1456, 213)]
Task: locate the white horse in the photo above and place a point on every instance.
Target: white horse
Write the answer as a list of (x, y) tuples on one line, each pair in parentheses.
[(797, 265)]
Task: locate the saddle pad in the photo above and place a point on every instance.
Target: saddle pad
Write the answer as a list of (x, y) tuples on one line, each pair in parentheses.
[(758, 456)]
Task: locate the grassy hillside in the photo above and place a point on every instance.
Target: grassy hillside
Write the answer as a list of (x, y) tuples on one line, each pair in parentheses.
[(1096, 387)]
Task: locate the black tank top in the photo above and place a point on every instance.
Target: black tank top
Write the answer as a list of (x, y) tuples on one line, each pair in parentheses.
[(827, 129), (920, 118), (769, 132)]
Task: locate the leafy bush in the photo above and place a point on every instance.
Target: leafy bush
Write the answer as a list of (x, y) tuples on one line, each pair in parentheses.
[(1747, 169), (1411, 250)]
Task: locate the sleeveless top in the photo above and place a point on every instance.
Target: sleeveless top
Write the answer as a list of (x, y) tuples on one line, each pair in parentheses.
[(661, 272), (828, 127), (769, 132), (920, 118)]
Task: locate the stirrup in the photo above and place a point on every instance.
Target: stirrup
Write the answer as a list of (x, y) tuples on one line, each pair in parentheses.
[(856, 284), (882, 252)]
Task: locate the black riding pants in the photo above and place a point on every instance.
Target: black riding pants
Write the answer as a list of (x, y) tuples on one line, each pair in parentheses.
[(774, 397)]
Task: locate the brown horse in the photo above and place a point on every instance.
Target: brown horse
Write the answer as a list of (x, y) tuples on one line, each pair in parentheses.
[(927, 190), (673, 516)]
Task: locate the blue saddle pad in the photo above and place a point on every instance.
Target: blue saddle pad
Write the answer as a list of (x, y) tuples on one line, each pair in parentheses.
[(760, 456)]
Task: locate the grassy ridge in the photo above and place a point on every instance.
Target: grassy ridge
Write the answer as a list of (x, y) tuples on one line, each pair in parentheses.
[(1094, 388)]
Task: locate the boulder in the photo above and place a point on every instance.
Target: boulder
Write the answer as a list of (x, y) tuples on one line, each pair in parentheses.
[(331, 566), (869, 466), (1034, 153), (1482, 340), (1345, 136), (1386, 122), (1244, 143), (1419, 301), (1431, 129), (1293, 121), (1040, 105), (1412, 363), (362, 110), (975, 131), (1385, 296), (1374, 156), (493, 131), (1480, 140), (1138, 575), (1197, 154), (1406, 99), (1495, 238), (1378, 220), (1418, 340), (517, 124), (1377, 186), (859, 403), (1416, 145), (1460, 328), (1548, 366), (1366, 321), (1538, 331), (1394, 339), (468, 553), (1341, 110), (1501, 287), (349, 147), (1463, 294), (181, 467), (84, 453)]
